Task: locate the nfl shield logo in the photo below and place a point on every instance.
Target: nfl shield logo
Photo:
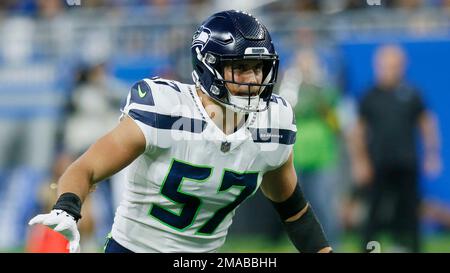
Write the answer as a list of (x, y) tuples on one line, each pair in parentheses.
[(225, 146)]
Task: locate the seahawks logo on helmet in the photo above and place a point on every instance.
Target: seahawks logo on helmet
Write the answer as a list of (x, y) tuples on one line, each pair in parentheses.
[(201, 37)]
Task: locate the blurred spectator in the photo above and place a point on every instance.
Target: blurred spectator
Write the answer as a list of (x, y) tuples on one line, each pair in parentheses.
[(316, 149), (400, 4), (409, 4), (94, 101), (307, 6), (384, 154), (95, 4), (18, 6), (92, 111), (446, 4), (29, 98), (49, 8), (7, 4), (355, 4)]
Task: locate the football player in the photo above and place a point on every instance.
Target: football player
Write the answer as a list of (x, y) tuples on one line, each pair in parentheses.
[(196, 152)]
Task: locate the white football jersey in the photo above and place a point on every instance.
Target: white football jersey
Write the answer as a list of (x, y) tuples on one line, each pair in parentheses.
[(182, 192)]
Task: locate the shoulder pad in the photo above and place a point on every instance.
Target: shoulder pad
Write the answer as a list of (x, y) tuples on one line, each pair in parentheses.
[(142, 93)]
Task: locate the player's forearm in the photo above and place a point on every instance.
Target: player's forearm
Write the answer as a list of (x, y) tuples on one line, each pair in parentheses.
[(73, 188), (280, 186), (77, 179), (305, 231), (315, 232), (104, 158), (301, 224)]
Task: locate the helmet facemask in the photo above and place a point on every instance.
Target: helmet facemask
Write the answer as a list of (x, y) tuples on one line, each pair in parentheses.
[(255, 96)]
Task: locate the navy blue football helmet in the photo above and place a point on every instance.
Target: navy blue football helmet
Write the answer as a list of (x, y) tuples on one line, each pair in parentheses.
[(228, 37)]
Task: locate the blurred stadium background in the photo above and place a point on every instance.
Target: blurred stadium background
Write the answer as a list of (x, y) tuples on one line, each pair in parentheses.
[(65, 65)]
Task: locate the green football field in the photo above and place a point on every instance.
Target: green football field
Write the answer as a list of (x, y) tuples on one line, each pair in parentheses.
[(349, 244)]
